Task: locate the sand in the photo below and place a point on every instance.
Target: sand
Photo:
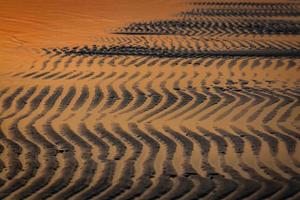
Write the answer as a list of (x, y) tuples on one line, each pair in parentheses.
[(149, 100)]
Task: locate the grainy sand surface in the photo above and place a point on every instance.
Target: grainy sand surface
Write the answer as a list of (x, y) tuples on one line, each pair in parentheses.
[(149, 99)]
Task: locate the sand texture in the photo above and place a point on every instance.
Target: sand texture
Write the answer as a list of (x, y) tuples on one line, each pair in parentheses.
[(149, 100)]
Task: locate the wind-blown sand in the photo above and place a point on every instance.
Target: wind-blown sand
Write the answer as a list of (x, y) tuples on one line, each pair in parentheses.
[(149, 100)]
